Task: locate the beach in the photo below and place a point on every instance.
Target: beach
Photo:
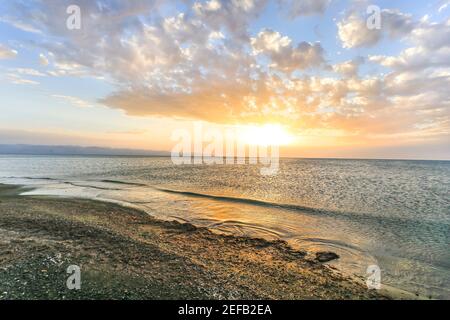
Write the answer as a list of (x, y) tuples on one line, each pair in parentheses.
[(124, 253)]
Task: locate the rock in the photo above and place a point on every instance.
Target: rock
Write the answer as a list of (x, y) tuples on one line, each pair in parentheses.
[(188, 227), (325, 256)]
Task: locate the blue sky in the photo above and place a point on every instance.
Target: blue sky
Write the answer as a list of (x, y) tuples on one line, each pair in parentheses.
[(140, 70)]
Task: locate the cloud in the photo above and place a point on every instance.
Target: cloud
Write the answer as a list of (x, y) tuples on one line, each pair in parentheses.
[(232, 15), (43, 60), (432, 35), (420, 77), (444, 5), (284, 55), (64, 68), (17, 79), (353, 31), (29, 72), (415, 59), (297, 8), (396, 23), (75, 101), (430, 49), (349, 68), (207, 63), (19, 24), (7, 53)]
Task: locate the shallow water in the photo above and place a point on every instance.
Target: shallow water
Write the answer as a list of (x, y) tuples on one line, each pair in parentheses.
[(395, 214)]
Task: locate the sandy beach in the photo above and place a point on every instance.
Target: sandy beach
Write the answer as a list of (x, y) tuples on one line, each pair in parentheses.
[(126, 254)]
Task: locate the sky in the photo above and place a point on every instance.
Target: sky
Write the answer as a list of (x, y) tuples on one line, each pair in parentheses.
[(136, 71)]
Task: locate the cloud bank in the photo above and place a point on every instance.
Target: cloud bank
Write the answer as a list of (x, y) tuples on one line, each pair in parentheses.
[(204, 63)]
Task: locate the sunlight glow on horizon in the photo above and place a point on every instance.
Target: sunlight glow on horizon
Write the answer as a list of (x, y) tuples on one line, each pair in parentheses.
[(268, 134)]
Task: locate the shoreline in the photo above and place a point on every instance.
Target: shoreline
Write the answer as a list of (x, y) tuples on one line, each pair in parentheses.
[(124, 253)]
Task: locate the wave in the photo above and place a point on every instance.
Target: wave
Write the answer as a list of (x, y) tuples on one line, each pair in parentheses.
[(90, 186), (248, 201), (361, 217), (82, 185), (125, 183), (32, 178), (243, 228)]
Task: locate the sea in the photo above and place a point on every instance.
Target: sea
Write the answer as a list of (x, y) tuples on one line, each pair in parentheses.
[(394, 214)]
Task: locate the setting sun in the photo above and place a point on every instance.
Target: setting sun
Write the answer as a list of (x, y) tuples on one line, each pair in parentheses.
[(268, 134)]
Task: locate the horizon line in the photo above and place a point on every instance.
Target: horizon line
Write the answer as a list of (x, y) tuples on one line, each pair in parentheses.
[(164, 154)]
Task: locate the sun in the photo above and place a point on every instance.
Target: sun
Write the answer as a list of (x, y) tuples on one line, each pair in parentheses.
[(268, 134)]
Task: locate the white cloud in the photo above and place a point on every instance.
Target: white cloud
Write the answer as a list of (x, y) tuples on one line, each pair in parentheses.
[(29, 72), (420, 77), (19, 24), (283, 55), (77, 102), (397, 24), (431, 49), (444, 5), (17, 79), (353, 31), (233, 15), (432, 35), (349, 68), (7, 53), (297, 8), (43, 60)]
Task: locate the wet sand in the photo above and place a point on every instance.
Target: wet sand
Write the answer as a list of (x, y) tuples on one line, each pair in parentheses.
[(126, 254)]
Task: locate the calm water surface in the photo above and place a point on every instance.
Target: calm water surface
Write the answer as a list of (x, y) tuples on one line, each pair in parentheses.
[(395, 214)]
